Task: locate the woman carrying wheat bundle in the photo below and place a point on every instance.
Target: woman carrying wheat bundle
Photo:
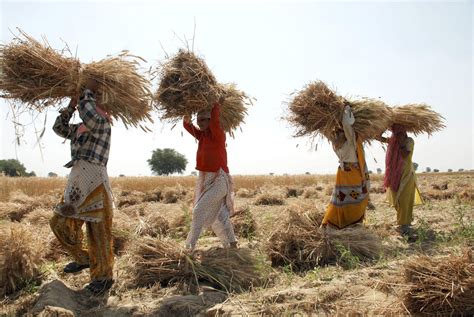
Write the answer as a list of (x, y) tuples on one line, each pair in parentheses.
[(350, 196), (400, 178), (88, 197), (213, 201)]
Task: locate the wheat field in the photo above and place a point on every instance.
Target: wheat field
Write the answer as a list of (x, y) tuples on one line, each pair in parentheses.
[(160, 207)]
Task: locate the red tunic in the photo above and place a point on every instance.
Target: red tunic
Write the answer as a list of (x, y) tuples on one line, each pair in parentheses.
[(211, 154)]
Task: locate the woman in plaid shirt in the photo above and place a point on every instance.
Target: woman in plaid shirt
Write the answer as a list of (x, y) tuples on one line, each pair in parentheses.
[(88, 196)]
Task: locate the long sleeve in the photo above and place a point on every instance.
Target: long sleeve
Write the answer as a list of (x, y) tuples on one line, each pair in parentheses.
[(62, 127), (91, 119), (192, 129), (347, 122)]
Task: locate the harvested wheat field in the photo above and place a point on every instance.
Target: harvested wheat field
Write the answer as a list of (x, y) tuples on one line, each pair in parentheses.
[(285, 264)]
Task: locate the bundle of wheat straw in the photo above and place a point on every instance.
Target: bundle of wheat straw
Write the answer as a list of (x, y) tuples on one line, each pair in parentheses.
[(164, 261), (418, 118), (301, 243), (21, 255), (187, 86), (38, 76), (440, 285), (317, 110)]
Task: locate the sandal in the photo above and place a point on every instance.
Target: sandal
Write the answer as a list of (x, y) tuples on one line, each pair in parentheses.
[(98, 287), (74, 267)]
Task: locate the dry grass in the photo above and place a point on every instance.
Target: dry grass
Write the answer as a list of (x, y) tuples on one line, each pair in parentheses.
[(418, 118), (187, 86), (21, 254), (269, 199), (302, 244), (317, 110), (441, 286), (38, 76), (244, 223), (154, 225), (165, 262)]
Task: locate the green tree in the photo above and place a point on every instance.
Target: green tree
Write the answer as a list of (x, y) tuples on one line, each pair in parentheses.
[(167, 161), (13, 168)]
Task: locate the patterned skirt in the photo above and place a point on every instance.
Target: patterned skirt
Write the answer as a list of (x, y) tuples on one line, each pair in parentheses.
[(349, 199)]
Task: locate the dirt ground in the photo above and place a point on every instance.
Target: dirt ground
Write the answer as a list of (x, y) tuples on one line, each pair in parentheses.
[(443, 226)]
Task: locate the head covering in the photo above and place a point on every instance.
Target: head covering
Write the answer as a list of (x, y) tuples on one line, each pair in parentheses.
[(204, 114), (394, 160)]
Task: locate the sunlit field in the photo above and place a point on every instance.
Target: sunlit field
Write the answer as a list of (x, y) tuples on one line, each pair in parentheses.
[(267, 207)]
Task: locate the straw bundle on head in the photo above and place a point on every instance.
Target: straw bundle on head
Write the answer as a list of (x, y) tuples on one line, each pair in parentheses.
[(187, 86), (20, 257), (418, 118), (317, 110), (301, 243), (441, 286), (38, 76), (166, 262)]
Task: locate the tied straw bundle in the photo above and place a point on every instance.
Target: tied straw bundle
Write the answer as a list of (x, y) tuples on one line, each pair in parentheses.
[(164, 261), (418, 118), (318, 110), (301, 243), (442, 286), (38, 76), (187, 86)]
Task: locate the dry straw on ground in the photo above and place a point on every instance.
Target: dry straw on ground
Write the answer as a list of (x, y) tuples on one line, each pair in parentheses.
[(39, 76), (418, 118), (187, 86), (302, 244), (21, 255), (165, 262), (317, 110), (441, 285)]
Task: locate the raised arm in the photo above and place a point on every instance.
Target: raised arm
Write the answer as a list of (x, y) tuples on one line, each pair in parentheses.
[(191, 128), (347, 122), (215, 122), (61, 126), (89, 115)]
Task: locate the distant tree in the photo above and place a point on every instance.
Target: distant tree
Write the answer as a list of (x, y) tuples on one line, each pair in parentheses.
[(12, 168), (428, 169), (30, 174), (370, 172), (271, 174), (121, 175), (450, 170), (379, 170), (193, 173), (52, 174), (415, 165), (167, 161), (307, 173), (436, 170), (461, 170)]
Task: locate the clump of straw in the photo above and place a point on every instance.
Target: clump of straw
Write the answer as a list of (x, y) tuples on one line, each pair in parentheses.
[(244, 223), (440, 286), (21, 255), (418, 118), (301, 243), (187, 86), (39, 76), (164, 261), (317, 110)]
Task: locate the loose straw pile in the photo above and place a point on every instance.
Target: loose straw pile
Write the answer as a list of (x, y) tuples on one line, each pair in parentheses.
[(441, 286), (38, 76), (418, 118), (187, 86)]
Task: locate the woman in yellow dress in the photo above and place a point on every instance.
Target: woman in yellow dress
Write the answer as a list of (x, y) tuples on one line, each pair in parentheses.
[(400, 178), (350, 196)]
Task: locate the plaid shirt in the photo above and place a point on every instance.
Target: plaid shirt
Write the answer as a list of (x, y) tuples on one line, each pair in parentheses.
[(92, 145)]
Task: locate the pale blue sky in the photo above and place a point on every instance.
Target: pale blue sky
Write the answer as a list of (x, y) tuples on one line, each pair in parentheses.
[(403, 52)]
